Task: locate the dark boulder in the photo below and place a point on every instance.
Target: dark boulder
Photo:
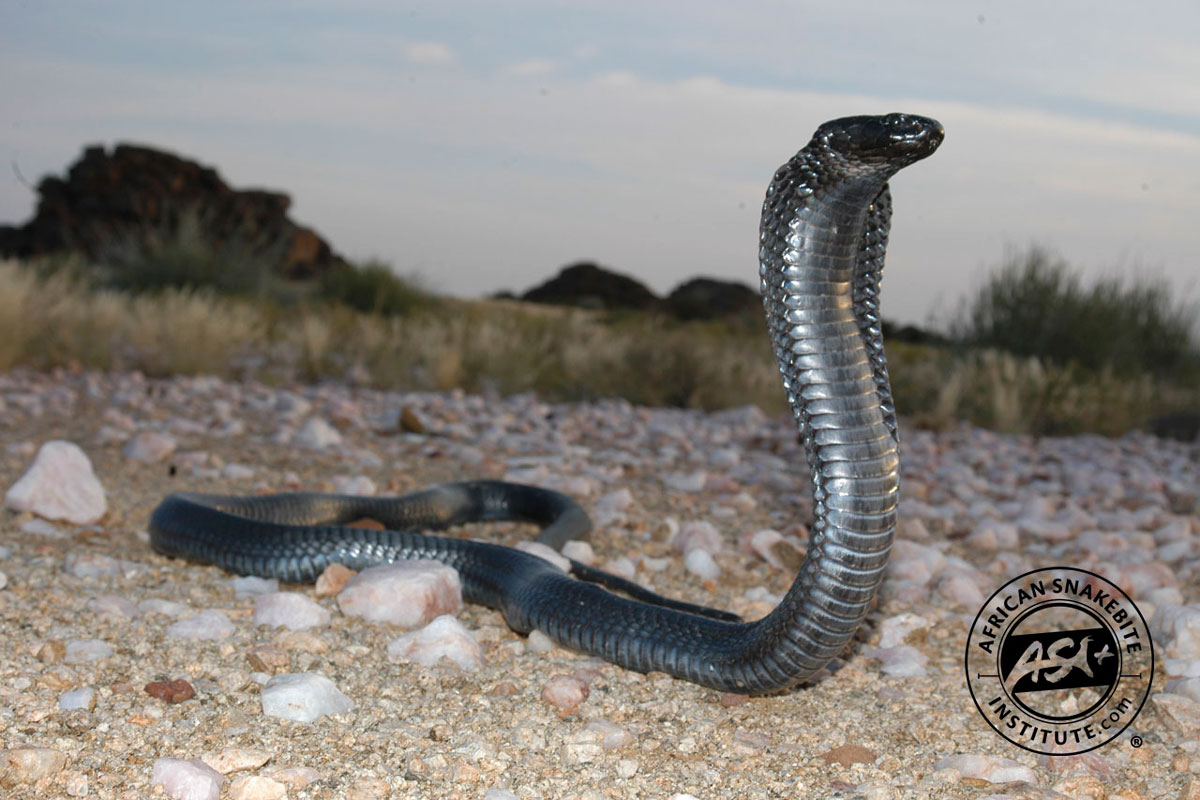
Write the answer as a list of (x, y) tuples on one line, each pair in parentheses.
[(589, 286), (708, 298), (139, 190)]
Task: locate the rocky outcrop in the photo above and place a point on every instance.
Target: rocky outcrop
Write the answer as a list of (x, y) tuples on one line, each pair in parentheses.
[(708, 298), (106, 196), (590, 286)]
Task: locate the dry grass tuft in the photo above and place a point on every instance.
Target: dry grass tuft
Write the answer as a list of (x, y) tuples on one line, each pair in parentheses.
[(57, 320)]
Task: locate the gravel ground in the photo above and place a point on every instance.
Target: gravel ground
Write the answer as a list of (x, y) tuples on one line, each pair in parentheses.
[(88, 607)]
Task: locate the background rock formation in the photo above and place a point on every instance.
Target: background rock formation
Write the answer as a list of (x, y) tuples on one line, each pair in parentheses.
[(107, 196), (708, 298), (590, 286)]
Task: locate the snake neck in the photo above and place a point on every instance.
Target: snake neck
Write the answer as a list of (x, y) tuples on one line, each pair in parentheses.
[(819, 259)]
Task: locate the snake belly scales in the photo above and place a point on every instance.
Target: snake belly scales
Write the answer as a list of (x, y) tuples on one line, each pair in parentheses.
[(823, 236)]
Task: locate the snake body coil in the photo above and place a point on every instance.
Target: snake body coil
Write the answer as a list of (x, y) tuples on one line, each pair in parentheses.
[(822, 241)]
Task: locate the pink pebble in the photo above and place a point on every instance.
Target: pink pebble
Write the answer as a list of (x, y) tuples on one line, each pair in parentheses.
[(565, 692)]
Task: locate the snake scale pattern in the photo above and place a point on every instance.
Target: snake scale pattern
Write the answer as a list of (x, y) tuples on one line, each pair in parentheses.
[(823, 237)]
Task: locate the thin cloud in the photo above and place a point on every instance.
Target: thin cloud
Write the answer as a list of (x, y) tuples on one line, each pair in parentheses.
[(533, 66), (430, 53)]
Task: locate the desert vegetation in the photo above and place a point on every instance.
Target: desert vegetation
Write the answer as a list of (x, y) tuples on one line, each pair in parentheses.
[(1033, 351)]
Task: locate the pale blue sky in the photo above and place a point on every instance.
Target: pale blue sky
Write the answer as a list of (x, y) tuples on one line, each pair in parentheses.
[(487, 144)]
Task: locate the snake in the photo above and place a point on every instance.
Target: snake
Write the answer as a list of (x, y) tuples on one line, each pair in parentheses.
[(822, 240)]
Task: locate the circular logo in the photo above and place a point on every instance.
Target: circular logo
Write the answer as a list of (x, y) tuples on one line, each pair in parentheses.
[(1059, 661)]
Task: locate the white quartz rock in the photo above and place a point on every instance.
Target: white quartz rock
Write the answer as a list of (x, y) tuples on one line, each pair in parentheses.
[(303, 696), (60, 484), (290, 610), (407, 593), (445, 637), (187, 780)]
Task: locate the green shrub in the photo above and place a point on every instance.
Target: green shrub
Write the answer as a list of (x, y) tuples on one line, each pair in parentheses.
[(181, 252), (373, 288), (1036, 305)]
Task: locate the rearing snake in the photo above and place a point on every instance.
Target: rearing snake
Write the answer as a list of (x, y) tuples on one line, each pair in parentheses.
[(822, 242)]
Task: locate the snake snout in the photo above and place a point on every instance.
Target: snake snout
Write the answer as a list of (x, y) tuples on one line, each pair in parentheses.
[(920, 136)]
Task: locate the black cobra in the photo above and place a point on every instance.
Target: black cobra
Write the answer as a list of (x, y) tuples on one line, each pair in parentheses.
[(823, 237)]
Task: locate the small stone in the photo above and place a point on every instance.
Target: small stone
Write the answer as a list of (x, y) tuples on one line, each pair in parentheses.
[(848, 754), (186, 780), (1181, 712), (444, 637), (579, 551), (52, 652), (149, 447), (901, 661), (303, 697), (316, 434), (407, 593), (75, 784), (251, 585), (772, 547), (700, 563), (359, 486), (41, 527), (84, 650), (992, 769), (110, 605), (538, 642), (332, 580), (686, 482), (60, 485), (27, 765), (627, 768), (303, 641), (697, 534), (894, 630), (565, 692), (290, 610), (92, 565), (369, 789), (269, 658), (256, 787), (237, 472), (294, 777), (581, 747), (750, 742), (546, 553), (156, 605), (202, 625), (611, 507), (622, 567), (84, 697), (959, 588), (500, 794), (1082, 787), (1046, 530), (410, 421), (613, 736), (176, 691), (234, 759)]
